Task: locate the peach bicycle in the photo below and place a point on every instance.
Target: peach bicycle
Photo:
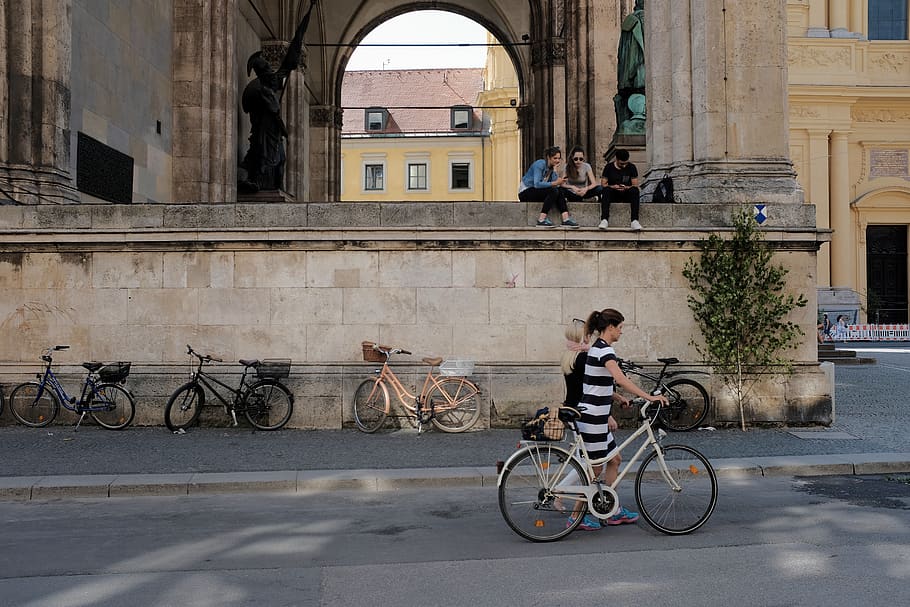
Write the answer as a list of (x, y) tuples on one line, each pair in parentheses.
[(448, 400)]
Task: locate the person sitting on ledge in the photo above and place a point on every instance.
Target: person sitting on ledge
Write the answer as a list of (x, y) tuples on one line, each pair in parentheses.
[(542, 183), (580, 183), (620, 184)]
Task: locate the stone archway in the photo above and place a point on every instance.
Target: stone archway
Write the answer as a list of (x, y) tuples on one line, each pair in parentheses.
[(566, 71)]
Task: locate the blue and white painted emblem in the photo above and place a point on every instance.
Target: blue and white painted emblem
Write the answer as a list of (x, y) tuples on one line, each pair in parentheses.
[(761, 213)]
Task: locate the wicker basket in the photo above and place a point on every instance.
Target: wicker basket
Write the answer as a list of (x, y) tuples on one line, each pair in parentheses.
[(544, 426), (554, 429), (275, 368), (113, 373), (370, 355)]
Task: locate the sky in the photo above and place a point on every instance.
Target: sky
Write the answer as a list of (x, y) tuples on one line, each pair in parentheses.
[(434, 27)]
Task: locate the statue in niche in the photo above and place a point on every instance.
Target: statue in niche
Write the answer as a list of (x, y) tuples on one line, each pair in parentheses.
[(262, 167), (630, 99)]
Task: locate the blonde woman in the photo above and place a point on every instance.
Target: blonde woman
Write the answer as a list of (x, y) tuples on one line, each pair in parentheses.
[(573, 361)]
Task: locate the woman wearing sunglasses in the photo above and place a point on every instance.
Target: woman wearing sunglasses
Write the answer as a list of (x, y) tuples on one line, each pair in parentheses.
[(580, 181)]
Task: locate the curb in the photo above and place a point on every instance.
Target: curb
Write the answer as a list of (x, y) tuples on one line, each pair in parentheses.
[(25, 488)]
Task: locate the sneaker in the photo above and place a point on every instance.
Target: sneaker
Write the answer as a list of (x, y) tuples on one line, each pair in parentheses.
[(545, 223), (636, 225), (604, 224), (588, 523), (623, 517), (569, 223)]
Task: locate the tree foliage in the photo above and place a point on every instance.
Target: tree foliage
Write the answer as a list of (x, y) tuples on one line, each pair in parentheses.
[(741, 306)]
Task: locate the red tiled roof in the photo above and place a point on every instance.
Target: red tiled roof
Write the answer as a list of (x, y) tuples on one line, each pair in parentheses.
[(396, 88)]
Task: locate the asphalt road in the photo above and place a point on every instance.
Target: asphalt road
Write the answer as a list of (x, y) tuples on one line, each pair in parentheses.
[(771, 541)]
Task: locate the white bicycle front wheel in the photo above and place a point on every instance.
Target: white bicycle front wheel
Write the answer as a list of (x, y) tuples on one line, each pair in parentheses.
[(529, 493), (682, 500)]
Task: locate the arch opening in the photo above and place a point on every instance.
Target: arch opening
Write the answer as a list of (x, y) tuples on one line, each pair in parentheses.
[(432, 115)]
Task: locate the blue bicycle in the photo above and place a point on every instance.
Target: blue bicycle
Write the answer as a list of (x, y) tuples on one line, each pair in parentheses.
[(36, 403)]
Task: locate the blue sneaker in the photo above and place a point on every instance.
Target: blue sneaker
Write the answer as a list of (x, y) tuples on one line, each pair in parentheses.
[(588, 523), (623, 517), (545, 223)]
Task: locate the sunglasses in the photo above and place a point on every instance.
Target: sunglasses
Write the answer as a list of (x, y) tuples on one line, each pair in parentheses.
[(579, 159), (578, 320)]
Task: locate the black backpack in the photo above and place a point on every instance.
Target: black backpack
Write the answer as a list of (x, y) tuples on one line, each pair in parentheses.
[(664, 190)]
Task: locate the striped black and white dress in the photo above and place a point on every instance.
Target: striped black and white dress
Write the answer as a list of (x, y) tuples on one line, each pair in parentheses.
[(597, 400)]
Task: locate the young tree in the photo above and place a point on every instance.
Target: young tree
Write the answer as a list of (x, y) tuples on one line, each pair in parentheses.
[(739, 302)]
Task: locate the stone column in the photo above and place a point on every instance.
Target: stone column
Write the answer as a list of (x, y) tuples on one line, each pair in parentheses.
[(661, 41), (548, 66), (818, 19), (35, 100), (857, 23), (818, 184), (843, 246), (837, 18), (591, 37), (325, 152), (205, 92), (297, 118), (738, 96), (525, 121)]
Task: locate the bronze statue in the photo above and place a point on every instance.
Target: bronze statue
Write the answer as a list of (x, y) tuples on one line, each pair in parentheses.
[(630, 73), (264, 161)]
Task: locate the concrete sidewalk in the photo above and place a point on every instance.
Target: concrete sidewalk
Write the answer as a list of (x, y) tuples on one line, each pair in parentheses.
[(868, 437)]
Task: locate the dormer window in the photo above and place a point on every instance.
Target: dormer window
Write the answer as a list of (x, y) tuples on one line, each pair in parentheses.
[(376, 119), (461, 117)]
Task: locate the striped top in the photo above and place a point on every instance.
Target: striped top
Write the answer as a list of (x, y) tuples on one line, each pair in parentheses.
[(597, 400)]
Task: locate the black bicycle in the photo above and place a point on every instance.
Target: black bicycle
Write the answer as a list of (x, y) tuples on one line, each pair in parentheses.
[(261, 397), (689, 401), (36, 403)]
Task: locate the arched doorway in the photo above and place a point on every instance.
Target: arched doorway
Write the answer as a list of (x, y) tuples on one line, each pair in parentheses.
[(883, 224)]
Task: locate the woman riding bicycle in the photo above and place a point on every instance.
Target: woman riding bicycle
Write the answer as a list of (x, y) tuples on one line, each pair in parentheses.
[(596, 425)]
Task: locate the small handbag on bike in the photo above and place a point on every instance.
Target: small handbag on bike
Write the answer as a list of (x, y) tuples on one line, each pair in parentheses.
[(544, 426)]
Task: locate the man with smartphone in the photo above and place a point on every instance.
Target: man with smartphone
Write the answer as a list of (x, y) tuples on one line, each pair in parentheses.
[(620, 184)]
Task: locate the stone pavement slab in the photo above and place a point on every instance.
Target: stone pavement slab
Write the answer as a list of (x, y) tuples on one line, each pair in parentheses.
[(879, 463), (130, 485), (77, 485), (238, 482), (17, 487)]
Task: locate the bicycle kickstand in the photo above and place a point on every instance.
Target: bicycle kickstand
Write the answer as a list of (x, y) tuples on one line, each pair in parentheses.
[(234, 417), (78, 423)]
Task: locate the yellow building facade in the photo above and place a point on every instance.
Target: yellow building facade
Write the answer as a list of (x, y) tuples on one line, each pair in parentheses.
[(849, 93), (414, 135)]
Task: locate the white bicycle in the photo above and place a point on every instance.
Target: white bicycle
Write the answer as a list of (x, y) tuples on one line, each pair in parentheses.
[(545, 489)]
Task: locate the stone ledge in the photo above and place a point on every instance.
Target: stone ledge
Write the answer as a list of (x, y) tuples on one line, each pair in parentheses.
[(496, 214), (69, 240)]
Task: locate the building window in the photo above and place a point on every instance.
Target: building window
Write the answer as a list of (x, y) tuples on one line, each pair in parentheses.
[(461, 118), (376, 119), (417, 176), (373, 177), (461, 176), (887, 19)]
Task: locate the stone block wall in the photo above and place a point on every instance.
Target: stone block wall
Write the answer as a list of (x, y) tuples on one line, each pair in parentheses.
[(501, 297)]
